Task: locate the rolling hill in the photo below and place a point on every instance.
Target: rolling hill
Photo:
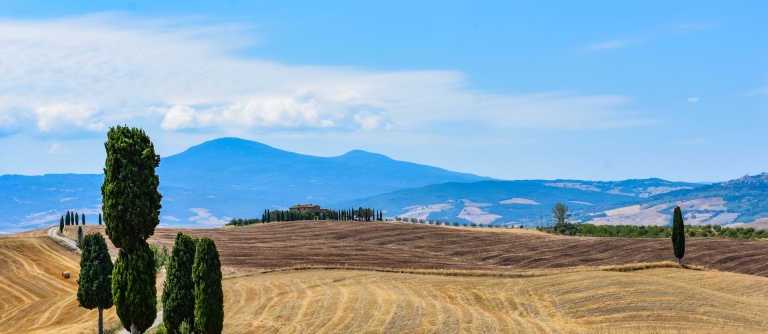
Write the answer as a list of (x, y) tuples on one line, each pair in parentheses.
[(527, 203)]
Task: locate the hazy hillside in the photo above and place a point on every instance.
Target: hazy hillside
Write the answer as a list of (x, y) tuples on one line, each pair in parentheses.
[(222, 178), (213, 182), (525, 202), (743, 200)]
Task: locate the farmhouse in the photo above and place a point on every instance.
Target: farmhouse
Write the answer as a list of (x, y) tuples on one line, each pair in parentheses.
[(305, 208)]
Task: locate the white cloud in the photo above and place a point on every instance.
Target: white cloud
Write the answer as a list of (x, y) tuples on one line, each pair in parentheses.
[(84, 73), (204, 216), (693, 99), (58, 148), (615, 44)]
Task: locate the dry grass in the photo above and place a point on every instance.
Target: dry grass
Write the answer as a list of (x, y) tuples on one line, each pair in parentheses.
[(358, 301), (34, 297)]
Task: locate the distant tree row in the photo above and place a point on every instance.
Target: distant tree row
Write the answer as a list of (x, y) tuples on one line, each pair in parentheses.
[(447, 223), (632, 231), (359, 214), (73, 218)]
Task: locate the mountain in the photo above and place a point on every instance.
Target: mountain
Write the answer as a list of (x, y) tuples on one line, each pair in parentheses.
[(526, 202), (222, 179), (733, 203)]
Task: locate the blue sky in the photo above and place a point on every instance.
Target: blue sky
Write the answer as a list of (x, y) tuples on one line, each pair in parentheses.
[(600, 90)]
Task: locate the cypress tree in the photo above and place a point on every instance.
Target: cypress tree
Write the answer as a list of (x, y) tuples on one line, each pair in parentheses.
[(67, 221), (178, 288), (94, 285), (83, 219), (77, 219), (131, 206), (80, 237), (133, 288), (99, 218), (209, 297), (61, 224), (678, 235)]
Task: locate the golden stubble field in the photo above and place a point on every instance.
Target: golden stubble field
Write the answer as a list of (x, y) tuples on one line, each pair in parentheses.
[(549, 294)]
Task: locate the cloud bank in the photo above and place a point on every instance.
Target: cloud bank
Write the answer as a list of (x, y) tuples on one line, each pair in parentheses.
[(83, 74)]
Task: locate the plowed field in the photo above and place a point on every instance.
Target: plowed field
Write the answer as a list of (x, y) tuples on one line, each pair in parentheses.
[(399, 245)]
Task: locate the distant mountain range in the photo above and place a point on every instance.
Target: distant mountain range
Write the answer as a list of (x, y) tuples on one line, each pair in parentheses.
[(212, 182), (226, 178)]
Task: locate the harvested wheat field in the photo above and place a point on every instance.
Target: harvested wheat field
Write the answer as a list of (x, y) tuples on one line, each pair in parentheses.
[(34, 297), (400, 245), (345, 301)]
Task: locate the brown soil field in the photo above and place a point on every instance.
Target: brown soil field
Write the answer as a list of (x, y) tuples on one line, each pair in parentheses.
[(400, 245), (343, 301), (34, 297)]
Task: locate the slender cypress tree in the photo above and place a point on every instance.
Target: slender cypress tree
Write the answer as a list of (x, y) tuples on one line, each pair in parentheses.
[(131, 206), (94, 286), (77, 219), (67, 221), (99, 218), (678, 235), (209, 297), (178, 288), (61, 224), (80, 237), (83, 219)]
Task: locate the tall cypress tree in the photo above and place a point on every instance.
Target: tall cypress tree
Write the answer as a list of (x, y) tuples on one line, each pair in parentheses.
[(80, 237), (99, 218), (83, 219), (77, 219), (67, 221), (678, 235), (94, 285), (209, 296), (61, 224), (178, 288), (131, 206)]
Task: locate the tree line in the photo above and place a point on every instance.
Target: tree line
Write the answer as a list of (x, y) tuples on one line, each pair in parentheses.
[(359, 214), (73, 218)]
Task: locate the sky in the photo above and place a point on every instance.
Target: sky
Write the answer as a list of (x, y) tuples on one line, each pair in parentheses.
[(594, 90)]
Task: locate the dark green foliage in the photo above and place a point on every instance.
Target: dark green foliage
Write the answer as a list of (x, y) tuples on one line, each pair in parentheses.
[(678, 234), (80, 237), (83, 219), (133, 287), (61, 224), (131, 202), (77, 219), (178, 289), (209, 297), (67, 220), (94, 288), (244, 222), (94, 285), (632, 231), (99, 218)]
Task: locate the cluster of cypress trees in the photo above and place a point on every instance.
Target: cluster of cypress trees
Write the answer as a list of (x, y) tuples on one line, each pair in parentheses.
[(363, 214), (192, 292), (72, 218)]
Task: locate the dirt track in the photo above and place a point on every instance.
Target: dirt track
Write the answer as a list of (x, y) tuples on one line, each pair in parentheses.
[(399, 245)]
